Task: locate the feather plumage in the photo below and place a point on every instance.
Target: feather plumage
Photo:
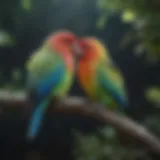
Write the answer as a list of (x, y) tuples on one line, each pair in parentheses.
[(99, 76), (50, 73)]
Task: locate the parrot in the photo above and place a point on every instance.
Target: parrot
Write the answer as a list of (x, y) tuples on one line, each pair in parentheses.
[(99, 76), (50, 73)]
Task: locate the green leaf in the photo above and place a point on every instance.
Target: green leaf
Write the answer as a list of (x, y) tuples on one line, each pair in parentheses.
[(142, 15), (6, 39), (128, 16), (26, 4), (16, 74), (102, 21), (153, 95)]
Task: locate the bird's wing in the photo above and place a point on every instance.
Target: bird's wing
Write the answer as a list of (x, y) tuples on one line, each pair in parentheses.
[(111, 81), (45, 71)]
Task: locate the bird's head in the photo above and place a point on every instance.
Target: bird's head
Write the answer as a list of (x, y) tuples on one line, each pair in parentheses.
[(91, 48), (62, 41)]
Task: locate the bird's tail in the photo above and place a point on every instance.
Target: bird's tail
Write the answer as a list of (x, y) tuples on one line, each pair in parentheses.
[(36, 120)]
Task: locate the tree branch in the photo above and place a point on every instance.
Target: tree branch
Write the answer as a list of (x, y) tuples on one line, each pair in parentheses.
[(78, 105)]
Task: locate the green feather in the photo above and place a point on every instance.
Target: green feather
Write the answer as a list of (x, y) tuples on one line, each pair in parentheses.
[(110, 85), (49, 76)]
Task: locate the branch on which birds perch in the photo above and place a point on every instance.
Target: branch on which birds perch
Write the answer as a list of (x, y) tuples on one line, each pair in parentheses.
[(78, 105)]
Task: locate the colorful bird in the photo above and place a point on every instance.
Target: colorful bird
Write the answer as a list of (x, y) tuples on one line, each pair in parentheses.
[(50, 74), (99, 76)]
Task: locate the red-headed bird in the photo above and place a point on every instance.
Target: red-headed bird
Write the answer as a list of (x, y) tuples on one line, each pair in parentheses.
[(98, 76), (50, 74)]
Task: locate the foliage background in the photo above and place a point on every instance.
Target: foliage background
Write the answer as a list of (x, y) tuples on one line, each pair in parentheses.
[(130, 29)]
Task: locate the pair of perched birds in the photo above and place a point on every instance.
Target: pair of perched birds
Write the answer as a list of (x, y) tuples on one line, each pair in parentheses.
[(52, 67)]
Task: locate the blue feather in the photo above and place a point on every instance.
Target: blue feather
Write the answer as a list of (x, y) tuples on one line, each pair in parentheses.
[(50, 81), (35, 122), (108, 86)]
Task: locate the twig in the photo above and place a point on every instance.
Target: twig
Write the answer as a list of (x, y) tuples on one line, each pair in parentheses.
[(78, 105)]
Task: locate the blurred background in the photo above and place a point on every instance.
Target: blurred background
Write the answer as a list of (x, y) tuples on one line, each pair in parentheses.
[(130, 30)]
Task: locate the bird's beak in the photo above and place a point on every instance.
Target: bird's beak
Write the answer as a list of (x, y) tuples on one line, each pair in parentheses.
[(77, 50)]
